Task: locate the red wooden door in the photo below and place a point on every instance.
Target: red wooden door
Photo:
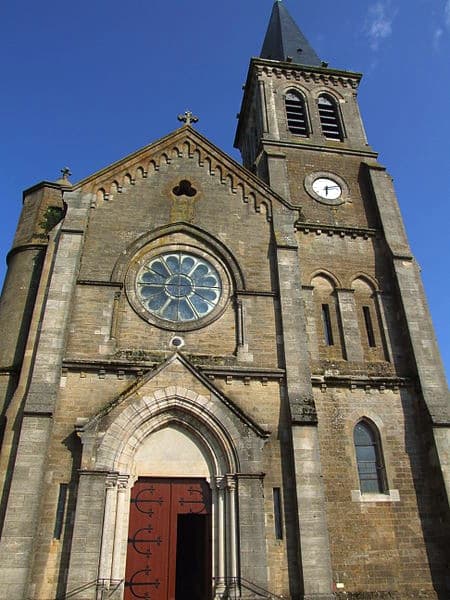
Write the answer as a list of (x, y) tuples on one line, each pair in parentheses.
[(152, 534)]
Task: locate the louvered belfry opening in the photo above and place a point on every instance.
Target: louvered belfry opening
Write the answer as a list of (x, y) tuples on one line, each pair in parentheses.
[(329, 118), (296, 114)]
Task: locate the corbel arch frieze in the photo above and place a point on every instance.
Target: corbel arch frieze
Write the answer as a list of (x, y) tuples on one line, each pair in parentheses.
[(326, 79), (118, 181)]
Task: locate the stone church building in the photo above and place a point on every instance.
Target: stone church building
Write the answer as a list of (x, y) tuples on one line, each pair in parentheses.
[(222, 381)]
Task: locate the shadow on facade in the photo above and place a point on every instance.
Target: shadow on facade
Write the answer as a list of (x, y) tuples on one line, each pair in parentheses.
[(73, 444)]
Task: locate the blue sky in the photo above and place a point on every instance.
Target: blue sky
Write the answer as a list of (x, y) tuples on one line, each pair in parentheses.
[(86, 83)]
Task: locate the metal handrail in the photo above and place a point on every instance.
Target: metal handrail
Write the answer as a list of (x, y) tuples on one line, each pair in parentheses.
[(229, 582), (258, 587), (81, 588), (116, 587), (241, 582), (100, 584)]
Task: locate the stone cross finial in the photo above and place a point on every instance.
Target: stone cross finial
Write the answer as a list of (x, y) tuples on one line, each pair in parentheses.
[(66, 172), (188, 118)]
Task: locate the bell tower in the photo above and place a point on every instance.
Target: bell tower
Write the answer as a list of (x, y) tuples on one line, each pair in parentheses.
[(368, 328), (295, 105)]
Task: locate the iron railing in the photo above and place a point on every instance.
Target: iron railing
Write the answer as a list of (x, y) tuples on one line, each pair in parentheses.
[(235, 588), (105, 589)]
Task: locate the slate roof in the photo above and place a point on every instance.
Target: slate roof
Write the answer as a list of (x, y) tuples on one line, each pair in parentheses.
[(284, 40)]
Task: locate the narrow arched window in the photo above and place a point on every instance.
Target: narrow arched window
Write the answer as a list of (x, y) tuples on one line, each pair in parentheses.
[(329, 118), (372, 476), (296, 114), (369, 321), (327, 322)]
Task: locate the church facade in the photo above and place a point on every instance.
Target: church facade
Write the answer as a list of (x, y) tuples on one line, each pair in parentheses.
[(222, 381)]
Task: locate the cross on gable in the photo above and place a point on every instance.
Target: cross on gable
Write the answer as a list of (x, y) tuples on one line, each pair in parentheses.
[(65, 172), (188, 118)]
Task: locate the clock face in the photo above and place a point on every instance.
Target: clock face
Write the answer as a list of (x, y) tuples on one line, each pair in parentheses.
[(326, 188)]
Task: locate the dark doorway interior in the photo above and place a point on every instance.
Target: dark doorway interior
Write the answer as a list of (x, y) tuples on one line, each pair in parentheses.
[(193, 569)]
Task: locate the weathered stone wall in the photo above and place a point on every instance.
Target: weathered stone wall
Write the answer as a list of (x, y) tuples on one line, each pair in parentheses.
[(388, 543)]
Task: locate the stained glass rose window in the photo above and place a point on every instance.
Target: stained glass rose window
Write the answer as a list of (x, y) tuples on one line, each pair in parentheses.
[(178, 287)]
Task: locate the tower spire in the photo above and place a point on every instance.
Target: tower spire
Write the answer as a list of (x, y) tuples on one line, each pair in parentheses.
[(285, 42)]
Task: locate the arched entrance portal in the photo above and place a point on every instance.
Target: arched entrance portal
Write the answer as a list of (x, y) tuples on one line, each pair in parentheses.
[(177, 446)]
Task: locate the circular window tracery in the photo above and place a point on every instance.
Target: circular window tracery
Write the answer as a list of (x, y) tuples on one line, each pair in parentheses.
[(178, 287)]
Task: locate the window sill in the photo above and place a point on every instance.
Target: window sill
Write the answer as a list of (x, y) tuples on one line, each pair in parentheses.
[(390, 496)]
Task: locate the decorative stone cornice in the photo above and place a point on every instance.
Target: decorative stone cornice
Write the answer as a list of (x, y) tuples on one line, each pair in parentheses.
[(354, 383), (121, 368), (331, 230), (309, 145), (245, 373), (324, 76)]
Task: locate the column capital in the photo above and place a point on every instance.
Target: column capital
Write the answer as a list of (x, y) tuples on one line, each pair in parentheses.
[(111, 480), (122, 482), (220, 482), (231, 482)]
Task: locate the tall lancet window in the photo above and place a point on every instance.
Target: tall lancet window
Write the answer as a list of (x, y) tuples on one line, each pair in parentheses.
[(296, 113), (329, 118), (372, 476)]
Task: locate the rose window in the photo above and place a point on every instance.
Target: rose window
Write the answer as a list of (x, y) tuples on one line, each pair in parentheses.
[(178, 287)]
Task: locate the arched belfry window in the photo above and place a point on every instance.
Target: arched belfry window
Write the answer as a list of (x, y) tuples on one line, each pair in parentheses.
[(327, 319), (296, 113), (329, 118), (372, 476)]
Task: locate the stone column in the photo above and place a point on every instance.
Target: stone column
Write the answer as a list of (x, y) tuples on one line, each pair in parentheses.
[(120, 533), (214, 532), (109, 519), (268, 106), (221, 549), (232, 536), (263, 105)]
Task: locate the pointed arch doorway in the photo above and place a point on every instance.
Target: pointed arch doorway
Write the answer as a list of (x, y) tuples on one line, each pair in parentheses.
[(169, 540), (172, 436)]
